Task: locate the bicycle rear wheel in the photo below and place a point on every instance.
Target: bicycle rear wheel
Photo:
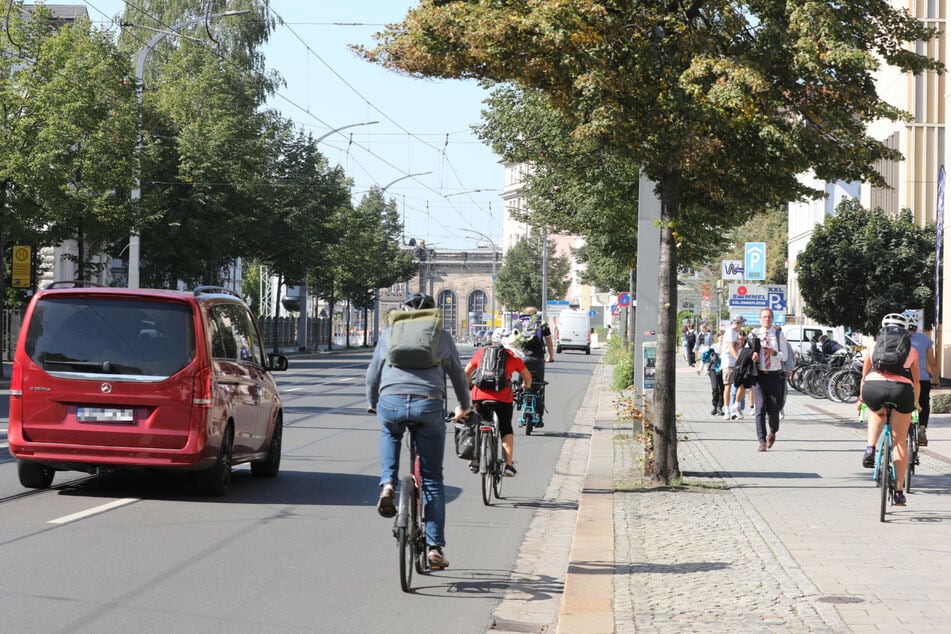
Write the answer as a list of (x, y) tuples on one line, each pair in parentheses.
[(499, 472), (884, 476), (487, 467), (911, 453)]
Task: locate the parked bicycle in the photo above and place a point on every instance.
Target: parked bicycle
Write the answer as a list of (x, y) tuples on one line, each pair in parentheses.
[(526, 402)]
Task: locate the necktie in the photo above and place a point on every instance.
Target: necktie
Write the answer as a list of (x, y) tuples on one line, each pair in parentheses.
[(769, 358)]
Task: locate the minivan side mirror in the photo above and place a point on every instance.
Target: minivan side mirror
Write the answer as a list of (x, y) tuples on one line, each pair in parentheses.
[(276, 362)]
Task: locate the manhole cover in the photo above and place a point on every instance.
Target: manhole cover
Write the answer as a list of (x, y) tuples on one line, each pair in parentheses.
[(840, 599)]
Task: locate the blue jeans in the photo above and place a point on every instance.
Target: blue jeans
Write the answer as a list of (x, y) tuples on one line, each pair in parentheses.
[(393, 411)]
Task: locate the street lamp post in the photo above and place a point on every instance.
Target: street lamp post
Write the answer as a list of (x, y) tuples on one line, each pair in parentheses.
[(376, 309), (134, 244), (494, 251)]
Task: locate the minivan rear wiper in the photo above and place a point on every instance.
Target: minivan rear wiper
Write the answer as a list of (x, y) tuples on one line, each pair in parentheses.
[(102, 366)]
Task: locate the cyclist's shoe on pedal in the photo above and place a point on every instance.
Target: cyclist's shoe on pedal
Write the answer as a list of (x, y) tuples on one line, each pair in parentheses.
[(922, 436), (386, 505), (539, 424), (474, 466), (868, 460), (899, 499), (437, 560), (510, 471), (521, 422)]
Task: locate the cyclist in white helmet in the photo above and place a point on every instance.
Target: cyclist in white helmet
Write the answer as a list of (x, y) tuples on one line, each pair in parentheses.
[(900, 388), (928, 371)]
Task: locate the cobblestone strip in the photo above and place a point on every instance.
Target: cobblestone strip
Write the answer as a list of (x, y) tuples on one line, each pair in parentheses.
[(702, 560)]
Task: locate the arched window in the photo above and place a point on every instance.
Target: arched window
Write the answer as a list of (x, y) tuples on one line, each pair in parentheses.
[(446, 302), (478, 311)]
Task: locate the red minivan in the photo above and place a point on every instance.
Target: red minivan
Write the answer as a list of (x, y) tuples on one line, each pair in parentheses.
[(107, 378)]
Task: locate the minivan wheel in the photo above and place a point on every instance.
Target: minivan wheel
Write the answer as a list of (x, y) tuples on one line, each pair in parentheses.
[(587, 350), (34, 475), (269, 467), (215, 481)]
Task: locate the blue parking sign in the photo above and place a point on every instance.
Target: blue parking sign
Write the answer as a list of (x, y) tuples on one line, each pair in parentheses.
[(755, 262)]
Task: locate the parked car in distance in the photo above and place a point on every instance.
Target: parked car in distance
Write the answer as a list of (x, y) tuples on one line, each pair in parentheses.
[(108, 378), (573, 331)]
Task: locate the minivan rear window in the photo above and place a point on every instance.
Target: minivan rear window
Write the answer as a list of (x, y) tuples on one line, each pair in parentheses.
[(84, 335)]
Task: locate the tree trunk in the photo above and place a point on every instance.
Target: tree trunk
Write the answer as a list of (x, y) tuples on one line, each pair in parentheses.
[(347, 325), (666, 465), (366, 325)]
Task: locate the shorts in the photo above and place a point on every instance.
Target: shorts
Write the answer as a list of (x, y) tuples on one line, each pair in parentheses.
[(728, 375), (503, 411), (876, 393)]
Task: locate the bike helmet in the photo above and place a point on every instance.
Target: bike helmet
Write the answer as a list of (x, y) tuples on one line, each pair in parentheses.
[(894, 319), (499, 334), (419, 301)]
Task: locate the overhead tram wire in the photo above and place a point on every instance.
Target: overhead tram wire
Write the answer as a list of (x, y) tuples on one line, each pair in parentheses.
[(306, 111)]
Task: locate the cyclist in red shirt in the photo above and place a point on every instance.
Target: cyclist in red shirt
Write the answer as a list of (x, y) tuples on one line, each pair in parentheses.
[(504, 410)]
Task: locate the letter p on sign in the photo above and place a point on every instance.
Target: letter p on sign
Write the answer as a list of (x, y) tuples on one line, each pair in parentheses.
[(755, 263)]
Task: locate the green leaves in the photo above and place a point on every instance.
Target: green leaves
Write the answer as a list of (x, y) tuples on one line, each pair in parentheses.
[(519, 280), (861, 265)]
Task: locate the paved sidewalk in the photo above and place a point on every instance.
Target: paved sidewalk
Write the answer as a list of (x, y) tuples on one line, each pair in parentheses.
[(783, 541)]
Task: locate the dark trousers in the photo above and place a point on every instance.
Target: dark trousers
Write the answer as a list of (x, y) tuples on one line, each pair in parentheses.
[(924, 401), (536, 367), (691, 356), (716, 389), (768, 396)]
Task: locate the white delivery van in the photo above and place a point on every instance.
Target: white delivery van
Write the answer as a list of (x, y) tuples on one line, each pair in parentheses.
[(573, 331)]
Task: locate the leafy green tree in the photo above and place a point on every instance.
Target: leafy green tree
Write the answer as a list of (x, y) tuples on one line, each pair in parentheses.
[(519, 280), (861, 265), (369, 254), (721, 102), (69, 129)]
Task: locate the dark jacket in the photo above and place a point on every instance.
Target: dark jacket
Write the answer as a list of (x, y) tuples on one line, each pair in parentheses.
[(746, 371)]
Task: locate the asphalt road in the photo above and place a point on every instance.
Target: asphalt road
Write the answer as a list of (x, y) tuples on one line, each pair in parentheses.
[(305, 552)]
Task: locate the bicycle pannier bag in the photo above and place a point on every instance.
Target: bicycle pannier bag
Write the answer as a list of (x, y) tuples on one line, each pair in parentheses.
[(413, 340), (466, 433), (490, 375), (892, 346)]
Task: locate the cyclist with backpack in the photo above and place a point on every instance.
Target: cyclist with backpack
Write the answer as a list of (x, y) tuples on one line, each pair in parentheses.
[(406, 383), (490, 371), (890, 375), (533, 337)]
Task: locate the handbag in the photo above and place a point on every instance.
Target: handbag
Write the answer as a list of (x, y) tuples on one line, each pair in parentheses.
[(466, 433)]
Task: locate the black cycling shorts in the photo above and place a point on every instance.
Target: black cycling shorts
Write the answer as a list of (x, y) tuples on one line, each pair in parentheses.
[(876, 393), (504, 412)]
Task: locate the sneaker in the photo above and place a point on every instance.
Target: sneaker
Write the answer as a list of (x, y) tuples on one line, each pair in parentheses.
[(713, 412), (437, 559), (782, 414), (539, 424), (474, 466), (726, 414), (922, 436), (899, 499), (733, 413), (521, 422), (386, 505), (510, 471), (868, 460), (753, 411), (738, 414)]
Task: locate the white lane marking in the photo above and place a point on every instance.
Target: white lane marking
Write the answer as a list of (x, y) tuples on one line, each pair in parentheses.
[(290, 389), (102, 508), (345, 379)]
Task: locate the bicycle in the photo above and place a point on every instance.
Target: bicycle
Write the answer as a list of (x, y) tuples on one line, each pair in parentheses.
[(409, 527), (491, 454), (884, 472), (526, 402), (911, 450)]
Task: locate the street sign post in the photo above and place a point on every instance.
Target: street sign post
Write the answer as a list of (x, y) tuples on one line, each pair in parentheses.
[(755, 263)]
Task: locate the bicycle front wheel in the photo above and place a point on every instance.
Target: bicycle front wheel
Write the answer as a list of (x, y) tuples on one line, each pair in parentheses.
[(884, 476), (488, 466), (499, 472)]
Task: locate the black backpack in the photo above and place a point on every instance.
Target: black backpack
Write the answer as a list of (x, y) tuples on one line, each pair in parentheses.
[(490, 375), (892, 346)]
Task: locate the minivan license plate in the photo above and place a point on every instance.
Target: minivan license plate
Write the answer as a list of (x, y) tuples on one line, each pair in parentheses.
[(104, 415)]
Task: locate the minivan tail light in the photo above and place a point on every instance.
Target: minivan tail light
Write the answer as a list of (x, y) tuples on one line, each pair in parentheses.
[(201, 388), (16, 381)]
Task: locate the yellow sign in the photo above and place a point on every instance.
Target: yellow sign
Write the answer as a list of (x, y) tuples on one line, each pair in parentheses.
[(21, 266)]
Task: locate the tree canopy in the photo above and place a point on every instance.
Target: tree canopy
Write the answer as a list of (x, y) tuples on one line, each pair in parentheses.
[(721, 103), (519, 280), (861, 265)]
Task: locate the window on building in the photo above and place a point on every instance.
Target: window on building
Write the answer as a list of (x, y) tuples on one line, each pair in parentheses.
[(446, 302)]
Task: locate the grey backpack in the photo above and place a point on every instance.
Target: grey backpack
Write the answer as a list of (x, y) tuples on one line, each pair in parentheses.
[(413, 340)]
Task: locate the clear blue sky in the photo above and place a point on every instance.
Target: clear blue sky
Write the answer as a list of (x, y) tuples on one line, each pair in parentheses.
[(424, 125)]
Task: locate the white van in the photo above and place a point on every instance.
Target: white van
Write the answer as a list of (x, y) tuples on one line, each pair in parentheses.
[(802, 338), (573, 331)]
